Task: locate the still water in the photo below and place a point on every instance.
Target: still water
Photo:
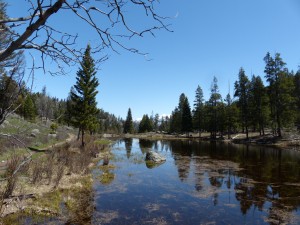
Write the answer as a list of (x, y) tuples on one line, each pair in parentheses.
[(200, 183)]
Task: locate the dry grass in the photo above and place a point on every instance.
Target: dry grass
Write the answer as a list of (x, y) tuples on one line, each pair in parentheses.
[(55, 169)]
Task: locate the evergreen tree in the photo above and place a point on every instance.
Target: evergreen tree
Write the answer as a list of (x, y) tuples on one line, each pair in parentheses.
[(128, 125), (156, 121), (146, 124), (242, 87), (181, 117), (69, 108), (259, 104), (214, 102), (280, 91), (198, 116), (231, 116), (84, 96), (164, 124), (175, 121), (186, 117), (11, 70), (29, 109)]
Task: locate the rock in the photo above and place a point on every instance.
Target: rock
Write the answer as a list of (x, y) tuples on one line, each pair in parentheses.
[(105, 160), (32, 135), (35, 131), (52, 135), (154, 157)]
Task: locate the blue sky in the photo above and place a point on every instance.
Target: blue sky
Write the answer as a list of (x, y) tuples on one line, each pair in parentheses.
[(210, 38)]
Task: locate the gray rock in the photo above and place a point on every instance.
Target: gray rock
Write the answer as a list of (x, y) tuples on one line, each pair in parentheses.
[(52, 135), (35, 131), (154, 157)]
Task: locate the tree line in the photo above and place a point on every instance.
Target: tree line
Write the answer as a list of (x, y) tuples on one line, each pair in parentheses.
[(254, 106)]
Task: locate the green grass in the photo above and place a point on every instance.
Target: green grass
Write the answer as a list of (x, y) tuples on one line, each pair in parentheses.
[(51, 201), (102, 142), (8, 154)]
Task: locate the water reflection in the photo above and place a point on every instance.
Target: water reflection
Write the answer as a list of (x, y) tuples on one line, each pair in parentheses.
[(128, 146), (203, 182), (145, 145)]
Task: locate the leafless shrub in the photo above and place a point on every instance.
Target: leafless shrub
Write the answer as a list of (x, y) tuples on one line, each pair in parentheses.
[(37, 172), (59, 174), (11, 176), (61, 135), (49, 167)]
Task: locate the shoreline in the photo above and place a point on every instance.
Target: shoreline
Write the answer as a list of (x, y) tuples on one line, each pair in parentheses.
[(267, 140)]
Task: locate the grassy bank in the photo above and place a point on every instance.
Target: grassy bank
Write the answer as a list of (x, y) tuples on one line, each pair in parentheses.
[(56, 182), (45, 175)]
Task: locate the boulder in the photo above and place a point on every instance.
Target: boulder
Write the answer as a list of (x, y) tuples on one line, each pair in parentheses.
[(52, 135), (154, 157), (35, 131)]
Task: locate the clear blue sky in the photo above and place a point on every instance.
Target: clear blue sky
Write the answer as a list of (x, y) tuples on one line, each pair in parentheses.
[(210, 38)]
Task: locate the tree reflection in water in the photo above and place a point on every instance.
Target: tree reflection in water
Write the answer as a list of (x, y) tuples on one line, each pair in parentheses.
[(200, 183), (263, 175)]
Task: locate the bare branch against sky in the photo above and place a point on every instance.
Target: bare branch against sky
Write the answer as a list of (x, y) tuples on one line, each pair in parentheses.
[(108, 18)]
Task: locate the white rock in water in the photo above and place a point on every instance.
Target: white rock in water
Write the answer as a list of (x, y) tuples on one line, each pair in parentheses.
[(154, 157)]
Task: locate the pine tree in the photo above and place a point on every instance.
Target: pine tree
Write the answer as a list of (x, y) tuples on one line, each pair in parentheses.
[(280, 92), (11, 70), (128, 125), (29, 109), (84, 96), (156, 121), (175, 121), (69, 108), (242, 92), (214, 102), (231, 116), (181, 117), (186, 117), (259, 104), (198, 115), (146, 124)]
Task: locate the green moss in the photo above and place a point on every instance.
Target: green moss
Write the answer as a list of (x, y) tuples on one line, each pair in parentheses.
[(107, 167), (106, 177)]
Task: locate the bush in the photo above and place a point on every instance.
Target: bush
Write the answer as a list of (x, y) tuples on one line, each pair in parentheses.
[(53, 128)]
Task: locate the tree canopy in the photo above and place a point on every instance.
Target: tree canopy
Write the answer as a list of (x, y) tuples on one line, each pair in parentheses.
[(84, 96)]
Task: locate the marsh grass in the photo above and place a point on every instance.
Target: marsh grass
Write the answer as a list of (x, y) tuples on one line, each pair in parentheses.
[(52, 172)]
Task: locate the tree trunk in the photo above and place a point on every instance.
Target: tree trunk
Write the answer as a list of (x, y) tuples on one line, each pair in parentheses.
[(82, 138), (78, 135)]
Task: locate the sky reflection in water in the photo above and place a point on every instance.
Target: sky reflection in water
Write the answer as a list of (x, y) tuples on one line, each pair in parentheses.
[(200, 183)]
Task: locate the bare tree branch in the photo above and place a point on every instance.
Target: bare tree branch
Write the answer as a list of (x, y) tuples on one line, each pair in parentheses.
[(108, 18)]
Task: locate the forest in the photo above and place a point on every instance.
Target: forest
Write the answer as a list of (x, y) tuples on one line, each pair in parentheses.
[(254, 107)]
